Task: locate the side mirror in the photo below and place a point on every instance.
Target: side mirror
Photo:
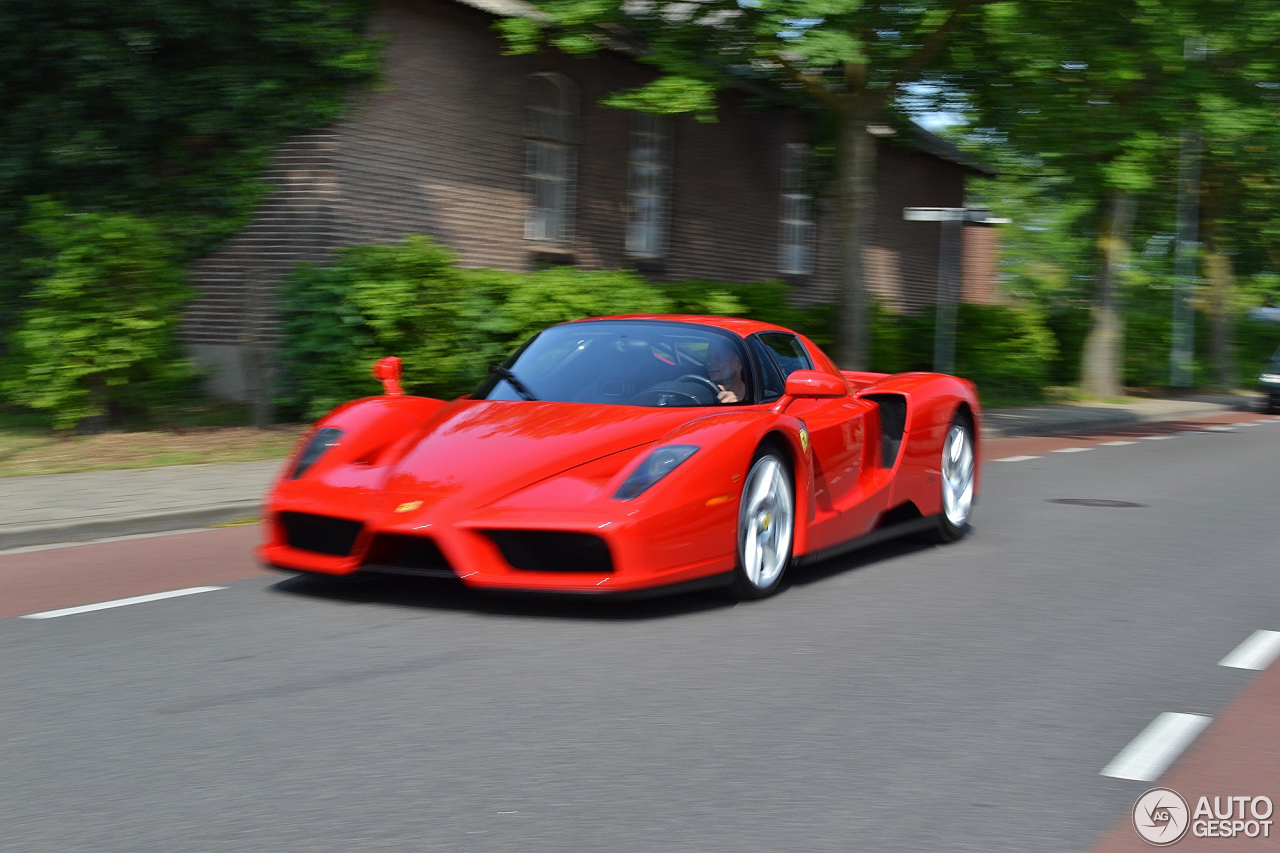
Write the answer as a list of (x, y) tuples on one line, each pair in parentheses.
[(387, 371), (812, 383)]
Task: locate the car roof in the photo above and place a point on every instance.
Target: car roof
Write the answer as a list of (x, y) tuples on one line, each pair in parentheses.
[(738, 325)]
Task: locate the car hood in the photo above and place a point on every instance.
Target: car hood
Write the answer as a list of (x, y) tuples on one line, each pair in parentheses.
[(473, 452)]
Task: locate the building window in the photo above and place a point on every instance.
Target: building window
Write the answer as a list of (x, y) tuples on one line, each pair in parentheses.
[(648, 187), (796, 256), (551, 109)]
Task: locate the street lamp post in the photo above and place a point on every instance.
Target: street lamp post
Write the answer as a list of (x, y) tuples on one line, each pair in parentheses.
[(950, 246)]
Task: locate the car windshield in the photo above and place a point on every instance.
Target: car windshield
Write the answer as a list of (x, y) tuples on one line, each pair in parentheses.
[(625, 363)]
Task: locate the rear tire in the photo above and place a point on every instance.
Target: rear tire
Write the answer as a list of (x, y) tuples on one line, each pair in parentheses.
[(766, 525), (959, 465)]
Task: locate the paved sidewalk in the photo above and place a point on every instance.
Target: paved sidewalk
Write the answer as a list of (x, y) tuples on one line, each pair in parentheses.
[(1086, 417), (66, 507)]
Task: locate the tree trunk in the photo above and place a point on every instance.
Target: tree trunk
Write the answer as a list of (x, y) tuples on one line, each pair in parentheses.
[(1218, 271), (857, 198), (1102, 364)]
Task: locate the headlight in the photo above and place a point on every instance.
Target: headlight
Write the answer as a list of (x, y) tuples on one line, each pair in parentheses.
[(320, 442), (659, 464), (1270, 378)]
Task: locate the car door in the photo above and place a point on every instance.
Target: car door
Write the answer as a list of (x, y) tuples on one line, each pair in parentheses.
[(837, 430)]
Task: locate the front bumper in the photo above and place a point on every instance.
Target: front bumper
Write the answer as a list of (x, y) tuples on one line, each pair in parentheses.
[(639, 553)]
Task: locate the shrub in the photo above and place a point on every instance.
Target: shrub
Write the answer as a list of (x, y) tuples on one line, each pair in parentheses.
[(450, 324), (408, 300), (101, 315), (1006, 351)]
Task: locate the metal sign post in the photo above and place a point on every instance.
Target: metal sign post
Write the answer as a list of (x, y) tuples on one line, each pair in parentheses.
[(950, 247)]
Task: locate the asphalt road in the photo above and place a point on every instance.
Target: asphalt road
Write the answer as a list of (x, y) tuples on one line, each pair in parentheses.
[(906, 698)]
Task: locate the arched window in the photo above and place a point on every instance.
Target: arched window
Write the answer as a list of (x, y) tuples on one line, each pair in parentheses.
[(551, 113), (648, 186)]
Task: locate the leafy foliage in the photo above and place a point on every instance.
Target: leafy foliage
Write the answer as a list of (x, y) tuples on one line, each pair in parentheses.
[(102, 315), (163, 108), (450, 324), (1008, 352)]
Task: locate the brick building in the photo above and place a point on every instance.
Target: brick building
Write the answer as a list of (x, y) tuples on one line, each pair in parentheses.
[(513, 162)]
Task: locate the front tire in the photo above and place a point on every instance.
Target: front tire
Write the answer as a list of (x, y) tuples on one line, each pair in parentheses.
[(959, 463), (766, 526)]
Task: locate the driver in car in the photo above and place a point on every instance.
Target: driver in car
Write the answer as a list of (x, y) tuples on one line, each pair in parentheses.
[(724, 367)]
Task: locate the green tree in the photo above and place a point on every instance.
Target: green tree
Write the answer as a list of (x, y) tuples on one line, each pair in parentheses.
[(161, 108), (1100, 92), (101, 315), (849, 59)]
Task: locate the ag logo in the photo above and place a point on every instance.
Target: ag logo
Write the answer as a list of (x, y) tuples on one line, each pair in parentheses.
[(804, 439), (1160, 816)]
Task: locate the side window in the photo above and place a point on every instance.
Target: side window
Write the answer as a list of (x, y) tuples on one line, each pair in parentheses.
[(787, 351), (772, 382)]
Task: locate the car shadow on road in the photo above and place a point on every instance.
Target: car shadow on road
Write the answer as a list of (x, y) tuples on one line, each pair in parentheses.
[(854, 560), (432, 594)]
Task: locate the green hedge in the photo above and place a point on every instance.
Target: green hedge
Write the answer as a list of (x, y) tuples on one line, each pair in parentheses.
[(449, 324)]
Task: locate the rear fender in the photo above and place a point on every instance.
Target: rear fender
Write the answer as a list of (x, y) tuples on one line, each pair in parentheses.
[(932, 402)]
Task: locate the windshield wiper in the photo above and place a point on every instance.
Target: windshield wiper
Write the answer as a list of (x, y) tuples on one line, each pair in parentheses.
[(515, 383)]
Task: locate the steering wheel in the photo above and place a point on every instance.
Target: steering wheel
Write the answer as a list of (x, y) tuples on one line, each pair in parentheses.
[(659, 393), (715, 389)]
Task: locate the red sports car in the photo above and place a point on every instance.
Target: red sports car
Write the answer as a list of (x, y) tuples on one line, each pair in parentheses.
[(631, 454)]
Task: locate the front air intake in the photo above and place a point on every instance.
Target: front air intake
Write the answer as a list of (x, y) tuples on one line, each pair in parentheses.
[(322, 534), (553, 551), (396, 554)]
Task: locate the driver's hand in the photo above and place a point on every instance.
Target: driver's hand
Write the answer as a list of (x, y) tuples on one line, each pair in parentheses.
[(726, 396)]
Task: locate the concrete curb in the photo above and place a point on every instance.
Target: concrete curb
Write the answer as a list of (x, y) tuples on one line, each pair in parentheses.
[(159, 522)]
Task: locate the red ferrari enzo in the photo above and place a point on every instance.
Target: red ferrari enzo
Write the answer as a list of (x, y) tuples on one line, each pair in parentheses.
[(631, 454)]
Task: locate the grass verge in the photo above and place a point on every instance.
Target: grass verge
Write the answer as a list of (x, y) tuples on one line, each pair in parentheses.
[(26, 450)]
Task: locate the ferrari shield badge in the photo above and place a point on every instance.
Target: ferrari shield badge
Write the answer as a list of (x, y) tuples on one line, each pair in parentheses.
[(409, 507), (804, 439)]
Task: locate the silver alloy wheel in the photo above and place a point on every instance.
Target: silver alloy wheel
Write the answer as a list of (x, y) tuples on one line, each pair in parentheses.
[(957, 475), (765, 522)]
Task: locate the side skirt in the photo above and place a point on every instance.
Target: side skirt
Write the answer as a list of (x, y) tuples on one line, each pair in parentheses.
[(893, 531)]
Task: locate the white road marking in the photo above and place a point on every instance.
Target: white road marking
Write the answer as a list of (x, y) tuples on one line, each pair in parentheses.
[(1115, 443), (1193, 432), (1072, 449), (1220, 428), (25, 549), (1160, 743), (1156, 437), (1257, 652), (1015, 459), (120, 602)]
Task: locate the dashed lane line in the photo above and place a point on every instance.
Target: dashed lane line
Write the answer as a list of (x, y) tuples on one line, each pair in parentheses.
[(1257, 652), (1115, 443), (1072, 449), (120, 602), (1015, 459), (1159, 744)]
